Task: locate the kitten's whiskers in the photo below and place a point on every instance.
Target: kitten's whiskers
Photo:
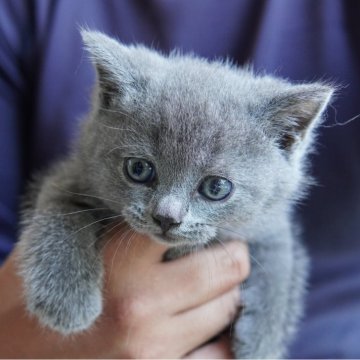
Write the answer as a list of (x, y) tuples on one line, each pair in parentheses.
[(124, 235), (102, 236), (86, 195), (92, 223), (70, 213)]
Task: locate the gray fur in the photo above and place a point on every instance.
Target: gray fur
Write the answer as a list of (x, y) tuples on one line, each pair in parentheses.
[(190, 118)]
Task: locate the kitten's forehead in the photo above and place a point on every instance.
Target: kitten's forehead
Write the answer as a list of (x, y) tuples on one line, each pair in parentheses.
[(190, 129), (201, 129), (186, 134)]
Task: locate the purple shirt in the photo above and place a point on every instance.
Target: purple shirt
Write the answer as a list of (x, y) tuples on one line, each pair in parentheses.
[(45, 82)]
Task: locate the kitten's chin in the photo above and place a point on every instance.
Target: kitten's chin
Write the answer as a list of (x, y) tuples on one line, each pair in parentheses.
[(171, 240)]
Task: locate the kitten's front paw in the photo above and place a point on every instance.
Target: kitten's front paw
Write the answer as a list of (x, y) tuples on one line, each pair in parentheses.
[(62, 276), (65, 311), (64, 295)]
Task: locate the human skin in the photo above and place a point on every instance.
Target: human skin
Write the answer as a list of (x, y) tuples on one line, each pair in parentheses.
[(152, 309)]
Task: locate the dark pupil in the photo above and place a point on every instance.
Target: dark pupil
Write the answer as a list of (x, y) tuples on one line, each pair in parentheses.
[(215, 186), (138, 168)]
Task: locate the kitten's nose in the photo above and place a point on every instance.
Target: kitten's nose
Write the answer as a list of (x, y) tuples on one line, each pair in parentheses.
[(165, 222)]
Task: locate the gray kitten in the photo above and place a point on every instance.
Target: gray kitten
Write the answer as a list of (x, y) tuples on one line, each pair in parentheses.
[(190, 152)]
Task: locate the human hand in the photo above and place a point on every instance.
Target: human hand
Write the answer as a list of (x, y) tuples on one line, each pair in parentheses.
[(168, 309), (219, 349), (151, 308)]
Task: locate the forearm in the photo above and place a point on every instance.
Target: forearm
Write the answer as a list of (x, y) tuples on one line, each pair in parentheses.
[(20, 336)]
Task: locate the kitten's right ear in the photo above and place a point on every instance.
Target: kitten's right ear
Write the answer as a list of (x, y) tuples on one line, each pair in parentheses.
[(118, 75)]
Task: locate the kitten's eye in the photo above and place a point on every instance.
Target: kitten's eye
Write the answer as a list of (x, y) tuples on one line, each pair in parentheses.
[(215, 188), (139, 170)]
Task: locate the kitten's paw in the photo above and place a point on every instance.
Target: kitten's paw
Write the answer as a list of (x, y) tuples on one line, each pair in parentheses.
[(67, 312), (62, 279)]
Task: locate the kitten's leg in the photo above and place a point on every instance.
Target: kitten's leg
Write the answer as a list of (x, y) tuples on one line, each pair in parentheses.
[(272, 302), (297, 288), (60, 260)]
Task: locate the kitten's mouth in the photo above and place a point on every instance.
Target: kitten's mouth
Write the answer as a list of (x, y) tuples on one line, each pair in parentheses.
[(170, 239)]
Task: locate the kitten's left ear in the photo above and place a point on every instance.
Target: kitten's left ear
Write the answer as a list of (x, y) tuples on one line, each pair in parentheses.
[(295, 112)]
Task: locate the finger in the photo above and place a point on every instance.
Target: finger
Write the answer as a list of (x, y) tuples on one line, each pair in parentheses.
[(125, 244), (129, 255), (200, 277), (199, 325), (220, 349)]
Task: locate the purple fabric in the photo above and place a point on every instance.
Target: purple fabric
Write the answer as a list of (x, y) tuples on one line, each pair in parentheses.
[(45, 82)]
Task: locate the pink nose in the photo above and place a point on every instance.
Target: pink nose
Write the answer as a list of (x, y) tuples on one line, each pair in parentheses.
[(165, 222)]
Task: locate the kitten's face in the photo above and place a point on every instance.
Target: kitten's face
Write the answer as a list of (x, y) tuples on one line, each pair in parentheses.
[(184, 148), (180, 175)]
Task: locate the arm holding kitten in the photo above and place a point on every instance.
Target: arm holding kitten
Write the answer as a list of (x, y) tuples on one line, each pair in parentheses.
[(158, 312)]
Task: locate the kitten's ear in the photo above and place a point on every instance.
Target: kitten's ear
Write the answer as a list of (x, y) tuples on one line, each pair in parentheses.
[(296, 112), (118, 75)]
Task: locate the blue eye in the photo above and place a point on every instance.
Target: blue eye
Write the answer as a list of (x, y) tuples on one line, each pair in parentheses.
[(139, 170), (215, 188)]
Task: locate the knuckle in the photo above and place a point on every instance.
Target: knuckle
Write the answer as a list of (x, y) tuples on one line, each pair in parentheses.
[(136, 309), (152, 351), (233, 306), (244, 266), (131, 310), (131, 352), (133, 315), (143, 350), (238, 262)]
